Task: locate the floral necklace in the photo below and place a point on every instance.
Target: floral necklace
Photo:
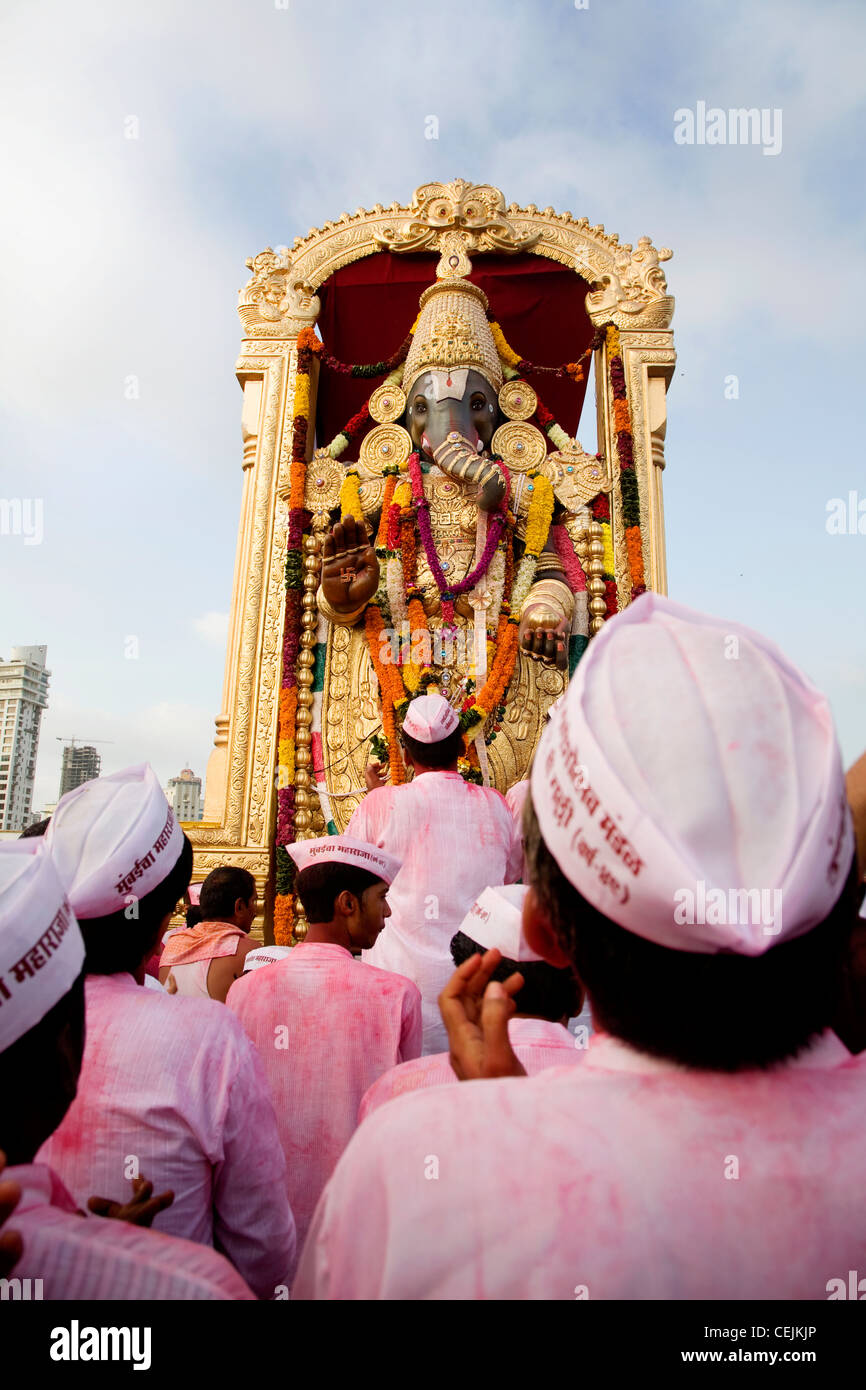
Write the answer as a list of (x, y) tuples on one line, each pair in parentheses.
[(448, 592)]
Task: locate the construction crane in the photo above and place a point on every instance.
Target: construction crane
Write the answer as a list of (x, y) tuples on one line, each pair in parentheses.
[(87, 742)]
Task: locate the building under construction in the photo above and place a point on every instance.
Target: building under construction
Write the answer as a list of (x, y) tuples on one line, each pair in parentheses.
[(81, 763)]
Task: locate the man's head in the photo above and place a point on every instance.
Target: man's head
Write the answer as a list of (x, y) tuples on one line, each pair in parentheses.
[(228, 894), (550, 992), (493, 922), (125, 863), (343, 904), (343, 886), (431, 735), (689, 844), (41, 1001)]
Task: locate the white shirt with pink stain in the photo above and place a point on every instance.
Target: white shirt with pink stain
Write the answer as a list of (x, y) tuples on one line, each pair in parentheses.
[(538, 1044), (325, 1026), (623, 1178), (172, 1090), (454, 840), (70, 1256)]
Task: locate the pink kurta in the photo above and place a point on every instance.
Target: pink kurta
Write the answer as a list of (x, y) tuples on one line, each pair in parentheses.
[(326, 1026), (538, 1045), (454, 840), (88, 1257), (172, 1086), (625, 1177)]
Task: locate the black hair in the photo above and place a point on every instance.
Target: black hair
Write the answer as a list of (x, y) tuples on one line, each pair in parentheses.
[(221, 890), (437, 756), (548, 991), (319, 887), (119, 943), (39, 1076), (38, 827), (194, 915), (717, 1012)]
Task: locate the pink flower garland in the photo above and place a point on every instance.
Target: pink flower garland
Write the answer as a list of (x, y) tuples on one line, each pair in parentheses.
[(574, 573), (448, 592)]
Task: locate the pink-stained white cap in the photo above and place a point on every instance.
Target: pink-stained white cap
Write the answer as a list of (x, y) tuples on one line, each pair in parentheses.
[(341, 849), (429, 719), (265, 955), (690, 786), (494, 922), (41, 949), (113, 840), (194, 891)]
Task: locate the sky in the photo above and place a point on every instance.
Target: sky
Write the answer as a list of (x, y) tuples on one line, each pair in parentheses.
[(254, 120)]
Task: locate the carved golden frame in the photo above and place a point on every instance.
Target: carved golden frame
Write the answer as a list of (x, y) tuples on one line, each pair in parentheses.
[(279, 299)]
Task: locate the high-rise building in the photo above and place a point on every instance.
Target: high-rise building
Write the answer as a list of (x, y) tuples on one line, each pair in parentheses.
[(184, 795), (81, 763), (23, 697)]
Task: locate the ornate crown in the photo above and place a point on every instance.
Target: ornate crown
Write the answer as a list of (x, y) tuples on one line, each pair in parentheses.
[(452, 331)]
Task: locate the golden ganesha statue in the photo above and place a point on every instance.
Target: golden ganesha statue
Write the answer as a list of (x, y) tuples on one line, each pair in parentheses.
[(450, 536)]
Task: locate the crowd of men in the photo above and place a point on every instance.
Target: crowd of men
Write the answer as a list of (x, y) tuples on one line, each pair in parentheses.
[(604, 1044)]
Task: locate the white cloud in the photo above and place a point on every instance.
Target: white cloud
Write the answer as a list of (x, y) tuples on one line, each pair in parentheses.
[(212, 628)]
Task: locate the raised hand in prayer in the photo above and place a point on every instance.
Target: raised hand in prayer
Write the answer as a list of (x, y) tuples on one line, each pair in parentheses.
[(10, 1241), (476, 1010), (350, 570), (375, 775), (140, 1211)]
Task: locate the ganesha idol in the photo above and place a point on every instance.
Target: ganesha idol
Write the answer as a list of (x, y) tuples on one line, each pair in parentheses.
[(457, 557)]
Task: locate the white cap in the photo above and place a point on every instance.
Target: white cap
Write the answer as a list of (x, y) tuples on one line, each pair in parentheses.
[(340, 849), (691, 787), (494, 921), (265, 955), (41, 950), (194, 891), (114, 839), (430, 719)]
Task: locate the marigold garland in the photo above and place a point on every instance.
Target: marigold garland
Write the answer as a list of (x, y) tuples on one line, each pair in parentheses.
[(629, 490), (350, 496)]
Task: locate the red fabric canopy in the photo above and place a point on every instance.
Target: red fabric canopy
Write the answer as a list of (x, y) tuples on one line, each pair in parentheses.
[(368, 308)]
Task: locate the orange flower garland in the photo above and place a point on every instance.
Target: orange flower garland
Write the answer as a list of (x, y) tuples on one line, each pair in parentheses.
[(391, 687)]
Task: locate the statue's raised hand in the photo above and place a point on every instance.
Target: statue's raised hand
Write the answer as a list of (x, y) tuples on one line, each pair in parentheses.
[(350, 570)]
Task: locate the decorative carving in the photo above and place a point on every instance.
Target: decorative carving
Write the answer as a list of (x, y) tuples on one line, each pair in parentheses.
[(324, 479), (383, 446), (577, 477), (628, 283), (521, 446), (387, 404), (476, 212), (275, 302), (635, 290), (517, 400)]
